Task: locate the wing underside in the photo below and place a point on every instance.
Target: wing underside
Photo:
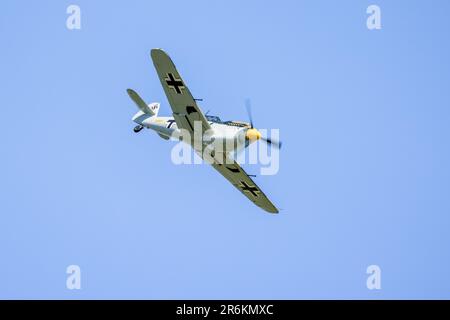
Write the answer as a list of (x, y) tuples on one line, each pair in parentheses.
[(184, 107), (233, 172)]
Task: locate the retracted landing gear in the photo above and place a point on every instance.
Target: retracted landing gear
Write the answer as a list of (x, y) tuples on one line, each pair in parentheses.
[(138, 128)]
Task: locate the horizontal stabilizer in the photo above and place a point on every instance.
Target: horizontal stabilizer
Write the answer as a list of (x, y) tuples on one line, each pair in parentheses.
[(151, 109)]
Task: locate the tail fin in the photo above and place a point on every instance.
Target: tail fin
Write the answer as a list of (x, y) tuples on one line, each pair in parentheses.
[(151, 109), (154, 108)]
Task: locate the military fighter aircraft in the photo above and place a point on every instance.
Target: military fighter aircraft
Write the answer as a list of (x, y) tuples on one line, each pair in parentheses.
[(187, 116)]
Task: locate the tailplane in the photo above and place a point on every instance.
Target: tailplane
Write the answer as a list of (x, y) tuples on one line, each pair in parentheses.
[(150, 109)]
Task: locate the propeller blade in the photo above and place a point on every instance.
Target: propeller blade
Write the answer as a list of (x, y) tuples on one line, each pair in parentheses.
[(269, 141), (249, 111), (276, 144)]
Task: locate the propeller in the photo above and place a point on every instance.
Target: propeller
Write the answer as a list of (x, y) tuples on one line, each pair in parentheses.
[(269, 141), (249, 112)]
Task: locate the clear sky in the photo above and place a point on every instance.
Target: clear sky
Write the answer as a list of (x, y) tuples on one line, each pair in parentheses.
[(364, 171)]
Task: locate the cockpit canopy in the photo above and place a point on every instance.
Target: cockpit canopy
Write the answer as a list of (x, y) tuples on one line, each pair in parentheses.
[(216, 119)]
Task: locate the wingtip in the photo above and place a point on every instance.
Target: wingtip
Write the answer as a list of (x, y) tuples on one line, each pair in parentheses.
[(131, 92), (272, 210), (157, 51)]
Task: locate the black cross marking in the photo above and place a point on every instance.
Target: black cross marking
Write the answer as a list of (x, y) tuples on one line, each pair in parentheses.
[(175, 84), (252, 189)]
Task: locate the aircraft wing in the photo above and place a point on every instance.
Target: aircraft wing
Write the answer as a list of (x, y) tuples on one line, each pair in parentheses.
[(184, 107), (233, 172)]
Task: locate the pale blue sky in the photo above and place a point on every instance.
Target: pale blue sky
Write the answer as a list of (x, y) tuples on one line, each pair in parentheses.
[(364, 170)]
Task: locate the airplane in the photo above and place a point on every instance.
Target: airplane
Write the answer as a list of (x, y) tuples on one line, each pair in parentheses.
[(188, 117)]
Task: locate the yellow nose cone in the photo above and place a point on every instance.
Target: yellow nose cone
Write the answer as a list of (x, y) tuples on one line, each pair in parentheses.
[(253, 135)]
